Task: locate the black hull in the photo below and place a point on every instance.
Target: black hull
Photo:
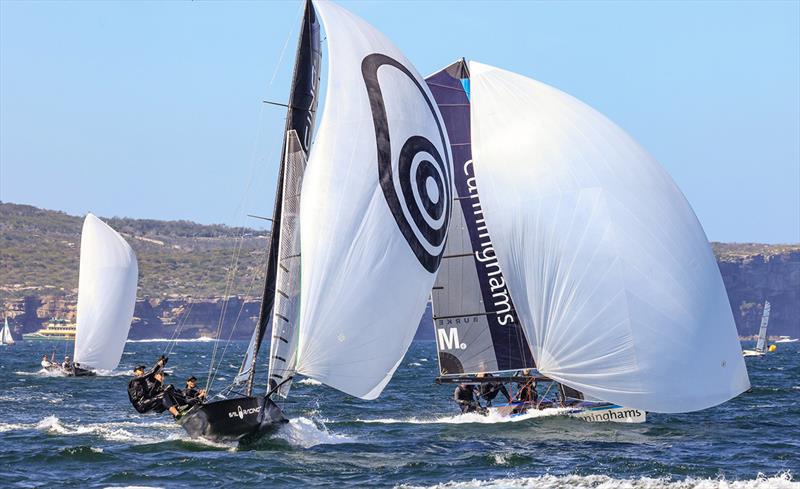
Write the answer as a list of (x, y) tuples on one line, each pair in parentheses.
[(243, 419), (81, 372)]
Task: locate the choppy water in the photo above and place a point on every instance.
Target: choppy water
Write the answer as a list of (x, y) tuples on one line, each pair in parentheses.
[(67, 432)]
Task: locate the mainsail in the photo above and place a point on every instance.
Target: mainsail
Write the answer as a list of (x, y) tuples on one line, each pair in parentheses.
[(106, 295), (300, 117), (611, 273), (5, 335), (762, 331), (282, 356), (377, 198), (475, 322)]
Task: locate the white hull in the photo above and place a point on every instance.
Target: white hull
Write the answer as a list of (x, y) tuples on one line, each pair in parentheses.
[(787, 340), (752, 353), (602, 413)]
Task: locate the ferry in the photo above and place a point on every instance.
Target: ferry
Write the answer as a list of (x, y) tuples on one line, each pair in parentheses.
[(55, 329)]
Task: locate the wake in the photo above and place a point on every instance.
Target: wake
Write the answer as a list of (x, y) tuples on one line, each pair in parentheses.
[(470, 418)]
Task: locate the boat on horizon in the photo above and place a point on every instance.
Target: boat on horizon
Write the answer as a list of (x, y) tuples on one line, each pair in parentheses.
[(786, 339), (55, 330), (6, 338), (761, 343)]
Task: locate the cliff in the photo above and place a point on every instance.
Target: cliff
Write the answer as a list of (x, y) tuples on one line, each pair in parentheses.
[(187, 269)]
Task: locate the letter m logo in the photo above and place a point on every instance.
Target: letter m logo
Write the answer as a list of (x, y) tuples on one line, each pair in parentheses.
[(448, 339)]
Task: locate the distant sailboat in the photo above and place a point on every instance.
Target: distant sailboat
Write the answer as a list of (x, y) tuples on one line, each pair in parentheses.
[(5, 336), (106, 298), (786, 339), (349, 276), (605, 267), (762, 335)]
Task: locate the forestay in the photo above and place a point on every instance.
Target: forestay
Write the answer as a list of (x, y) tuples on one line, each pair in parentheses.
[(374, 213), (474, 318), (611, 273), (106, 295)]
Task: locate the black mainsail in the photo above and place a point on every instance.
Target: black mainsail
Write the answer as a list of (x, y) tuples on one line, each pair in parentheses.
[(300, 116), (475, 323), (248, 417)]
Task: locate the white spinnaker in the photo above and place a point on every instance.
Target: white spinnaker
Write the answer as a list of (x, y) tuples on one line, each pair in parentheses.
[(611, 273), (106, 295), (363, 286)]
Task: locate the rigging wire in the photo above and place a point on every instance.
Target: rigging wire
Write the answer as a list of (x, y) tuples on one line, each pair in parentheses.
[(256, 147)]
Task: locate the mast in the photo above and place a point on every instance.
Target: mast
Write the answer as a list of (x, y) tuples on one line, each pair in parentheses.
[(300, 116), (475, 321)]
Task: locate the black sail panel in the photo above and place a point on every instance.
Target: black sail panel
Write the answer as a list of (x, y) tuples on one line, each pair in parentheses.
[(475, 323), (300, 117)]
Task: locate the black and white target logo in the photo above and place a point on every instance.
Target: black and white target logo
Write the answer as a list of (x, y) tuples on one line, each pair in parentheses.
[(424, 174)]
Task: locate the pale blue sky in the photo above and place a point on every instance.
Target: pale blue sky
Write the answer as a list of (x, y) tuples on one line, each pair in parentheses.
[(153, 109)]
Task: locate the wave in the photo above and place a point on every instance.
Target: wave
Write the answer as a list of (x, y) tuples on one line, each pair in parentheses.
[(780, 481), (43, 373), (414, 364), (112, 431), (309, 382), (306, 433), (491, 418), (179, 340)]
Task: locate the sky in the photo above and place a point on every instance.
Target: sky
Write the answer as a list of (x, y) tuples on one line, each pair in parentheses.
[(154, 109)]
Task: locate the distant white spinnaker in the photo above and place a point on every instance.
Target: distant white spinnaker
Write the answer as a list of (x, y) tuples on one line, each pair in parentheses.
[(106, 295), (611, 273), (5, 335), (376, 202)]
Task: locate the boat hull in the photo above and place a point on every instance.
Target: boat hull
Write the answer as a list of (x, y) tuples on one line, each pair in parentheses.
[(243, 419), (752, 353), (598, 412), (39, 337)]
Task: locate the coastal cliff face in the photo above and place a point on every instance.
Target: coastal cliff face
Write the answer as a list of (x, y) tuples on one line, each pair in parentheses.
[(187, 269), (752, 276), (749, 280)]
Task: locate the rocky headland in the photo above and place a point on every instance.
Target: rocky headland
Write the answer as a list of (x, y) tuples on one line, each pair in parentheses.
[(205, 280)]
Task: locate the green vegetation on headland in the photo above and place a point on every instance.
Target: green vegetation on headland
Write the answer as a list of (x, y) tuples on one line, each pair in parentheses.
[(40, 253), (181, 262)]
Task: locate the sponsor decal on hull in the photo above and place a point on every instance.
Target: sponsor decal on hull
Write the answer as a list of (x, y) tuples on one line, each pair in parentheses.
[(241, 413), (613, 415)]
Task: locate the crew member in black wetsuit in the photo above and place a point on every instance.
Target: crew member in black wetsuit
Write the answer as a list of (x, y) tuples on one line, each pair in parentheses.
[(140, 387), (489, 390), (191, 395), (464, 395), (165, 396)]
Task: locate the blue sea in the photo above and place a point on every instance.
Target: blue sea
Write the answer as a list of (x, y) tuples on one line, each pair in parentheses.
[(58, 432)]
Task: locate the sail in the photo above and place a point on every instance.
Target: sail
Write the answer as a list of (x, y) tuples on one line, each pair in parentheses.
[(106, 295), (611, 273), (282, 356), (475, 323), (5, 336), (300, 118), (249, 361), (376, 203), (762, 331)]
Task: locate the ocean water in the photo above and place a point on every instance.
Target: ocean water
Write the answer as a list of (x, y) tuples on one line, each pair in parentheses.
[(82, 433)]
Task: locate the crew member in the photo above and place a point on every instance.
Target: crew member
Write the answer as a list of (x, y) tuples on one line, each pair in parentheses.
[(527, 389), (46, 364), (67, 365), (464, 395), (165, 396), (489, 390), (142, 384), (191, 394)]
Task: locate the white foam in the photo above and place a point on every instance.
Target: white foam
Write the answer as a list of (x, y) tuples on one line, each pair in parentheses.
[(44, 373), (414, 364), (780, 481), (491, 418), (113, 431), (310, 382), (306, 433)]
